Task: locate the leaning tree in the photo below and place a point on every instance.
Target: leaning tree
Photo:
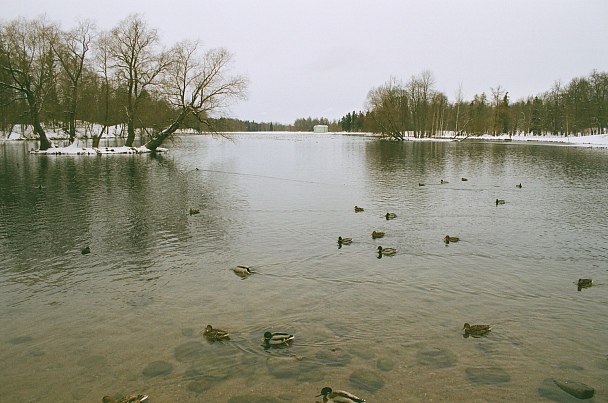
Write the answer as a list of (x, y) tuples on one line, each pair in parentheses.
[(198, 85)]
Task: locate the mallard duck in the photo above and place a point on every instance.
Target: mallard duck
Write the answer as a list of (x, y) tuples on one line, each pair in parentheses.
[(377, 234), (215, 334), (344, 241), (390, 216), (464, 179), (242, 270), (420, 184), (194, 211), (386, 251), (444, 182), (277, 338), (86, 250), (476, 330), (338, 396), (518, 186), (584, 283), (358, 209), (499, 201), (449, 239), (126, 399)]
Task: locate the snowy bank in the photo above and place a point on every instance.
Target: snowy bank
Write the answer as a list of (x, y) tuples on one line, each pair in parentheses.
[(596, 140), (76, 150)]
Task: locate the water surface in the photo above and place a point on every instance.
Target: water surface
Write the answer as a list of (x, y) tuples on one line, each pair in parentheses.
[(77, 327)]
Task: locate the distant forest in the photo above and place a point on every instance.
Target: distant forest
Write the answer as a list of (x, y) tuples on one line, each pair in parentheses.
[(53, 94)]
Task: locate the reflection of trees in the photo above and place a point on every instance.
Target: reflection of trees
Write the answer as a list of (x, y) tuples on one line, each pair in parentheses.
[(129, 209)]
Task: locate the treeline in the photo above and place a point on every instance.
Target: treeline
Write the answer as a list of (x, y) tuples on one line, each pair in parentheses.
[(398, 109), (299, 125)]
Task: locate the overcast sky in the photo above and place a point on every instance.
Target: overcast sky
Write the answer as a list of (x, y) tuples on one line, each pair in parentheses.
[(319, 58)]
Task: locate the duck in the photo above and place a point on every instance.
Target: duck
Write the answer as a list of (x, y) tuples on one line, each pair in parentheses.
[(277, 338), (584, 283), (386, 251), (86, 250), (242, 270), (499, 201), (449, 239), (126, 399), (344, 241), (444, 182), (358, 209), (194, 211), (215, 334), (377, 234), (390, 216), (338, 396), (420, 184), (476, 330), (464, 179), (518, 186)]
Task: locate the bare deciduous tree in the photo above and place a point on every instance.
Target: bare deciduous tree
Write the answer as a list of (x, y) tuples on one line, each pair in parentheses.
[(138, 62), (71, 50), (199, 86), (26, 56)]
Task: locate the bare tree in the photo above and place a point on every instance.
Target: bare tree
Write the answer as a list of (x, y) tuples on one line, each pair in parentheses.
[(199, 86), (71, 51), (389, 107), (26, 56), (138, 63)]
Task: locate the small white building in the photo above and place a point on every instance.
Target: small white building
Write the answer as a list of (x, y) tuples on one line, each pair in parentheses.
[(320, 128)]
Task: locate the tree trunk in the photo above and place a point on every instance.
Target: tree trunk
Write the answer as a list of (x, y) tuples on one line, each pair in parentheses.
[(157, 140), (45, 144), (130, 132)]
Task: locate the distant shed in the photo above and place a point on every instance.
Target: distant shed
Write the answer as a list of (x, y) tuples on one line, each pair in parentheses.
[(321, 128)]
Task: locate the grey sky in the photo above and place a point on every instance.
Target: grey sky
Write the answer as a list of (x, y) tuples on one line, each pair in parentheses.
[(319, 58)]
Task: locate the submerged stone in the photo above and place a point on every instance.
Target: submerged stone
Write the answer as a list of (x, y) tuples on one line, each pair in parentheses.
[(92, 361), (200, 385), (576, 389), (190, 351), (488, 375), (157, 368), (436, 357), (548, 389), (283, 367), (21, 340), (385, 364), (333, 358), (366, 380)]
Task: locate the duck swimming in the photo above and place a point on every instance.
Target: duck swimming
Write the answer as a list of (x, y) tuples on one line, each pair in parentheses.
[(449, 239), (476, 330), (344, 241), (339, 396), (584, 283), (277, 338), (377, 234), (242, 270), (390, 216), (194, 211), (215, 334), (518, 186), (499, 201), (86, 250), (358, 209), (386, 251)]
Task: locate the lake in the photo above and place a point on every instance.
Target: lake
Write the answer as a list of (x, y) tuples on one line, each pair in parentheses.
[(127, 317)]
